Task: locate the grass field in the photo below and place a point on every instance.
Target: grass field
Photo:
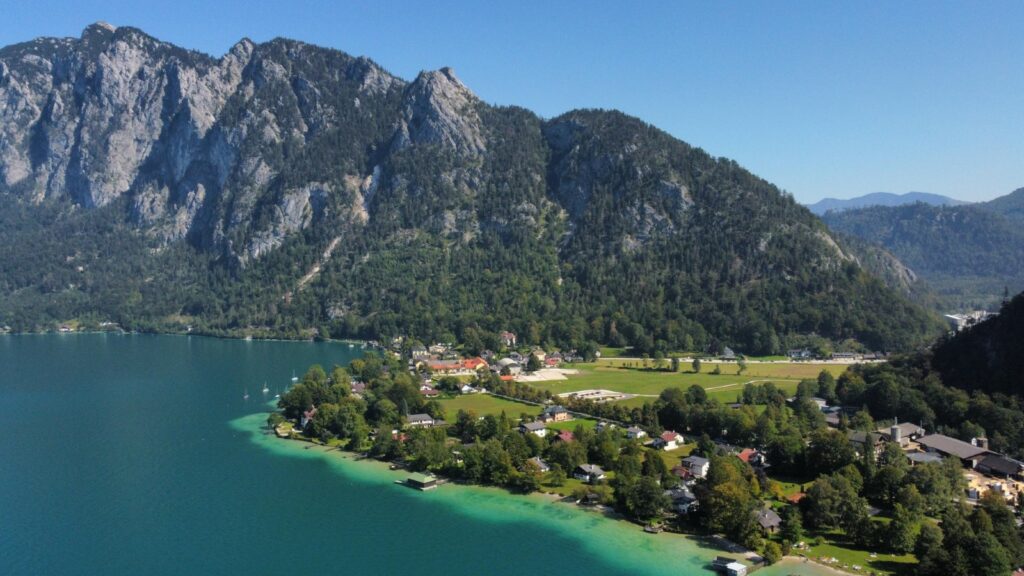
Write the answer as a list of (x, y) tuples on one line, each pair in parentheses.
[(629, 376), (672, 458), (571, 425), (849, 555), (484, 404)]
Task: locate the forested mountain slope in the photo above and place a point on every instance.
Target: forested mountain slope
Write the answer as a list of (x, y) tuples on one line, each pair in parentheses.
[(287, 189), (1011, 206), (968, 254)]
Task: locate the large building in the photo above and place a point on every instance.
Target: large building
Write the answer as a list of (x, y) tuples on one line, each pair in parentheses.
[(968, 453)]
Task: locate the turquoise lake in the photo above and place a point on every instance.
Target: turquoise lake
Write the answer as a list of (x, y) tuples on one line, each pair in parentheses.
[(137, 455)]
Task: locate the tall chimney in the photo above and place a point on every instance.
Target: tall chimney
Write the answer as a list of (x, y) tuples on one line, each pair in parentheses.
[(896, 433)]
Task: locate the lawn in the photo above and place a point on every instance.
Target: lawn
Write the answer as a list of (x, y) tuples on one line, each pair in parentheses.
[(571, 425), (848, 555), (672, 458), (563, 490), (484, 404), (630, 377)]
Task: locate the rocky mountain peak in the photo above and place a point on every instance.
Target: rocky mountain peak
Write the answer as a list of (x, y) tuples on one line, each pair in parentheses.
[(440, 109)]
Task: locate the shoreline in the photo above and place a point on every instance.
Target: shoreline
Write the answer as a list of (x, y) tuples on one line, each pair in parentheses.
[(122, 332), (710, 545), (714, 545)]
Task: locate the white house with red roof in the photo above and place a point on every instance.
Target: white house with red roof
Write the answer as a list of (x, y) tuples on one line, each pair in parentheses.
[(668, 440)]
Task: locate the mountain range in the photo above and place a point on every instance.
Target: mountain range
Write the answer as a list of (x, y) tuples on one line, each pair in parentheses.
[(967, 256), (880, 199), (286, 189)]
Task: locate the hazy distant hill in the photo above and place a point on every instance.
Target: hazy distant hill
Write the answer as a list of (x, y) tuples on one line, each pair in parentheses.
[(880, 199), (288, 189), (968, 254), (1010, 206)]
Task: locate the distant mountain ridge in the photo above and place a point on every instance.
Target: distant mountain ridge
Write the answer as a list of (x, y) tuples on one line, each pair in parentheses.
[(285, 189), (969, 254), (881, 199), (1011, 205)]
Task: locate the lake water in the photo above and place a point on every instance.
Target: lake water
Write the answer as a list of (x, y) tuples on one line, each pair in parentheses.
[(134, 454)]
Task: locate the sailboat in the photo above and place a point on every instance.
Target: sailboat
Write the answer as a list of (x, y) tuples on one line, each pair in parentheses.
[(246, 396), (265, 387), (294, 377)]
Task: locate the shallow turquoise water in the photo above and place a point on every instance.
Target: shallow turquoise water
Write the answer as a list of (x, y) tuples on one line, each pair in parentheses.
[(131, 454)]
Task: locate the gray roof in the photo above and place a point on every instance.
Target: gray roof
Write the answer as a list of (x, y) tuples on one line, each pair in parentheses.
[(540, 463), (420, 418), (1000, 464), (554, 409), (767, 518), (592, 469), (952, 446), (923, 457), (533, 426), (860, 437), (681, 493), (906, 429), (695, 461)]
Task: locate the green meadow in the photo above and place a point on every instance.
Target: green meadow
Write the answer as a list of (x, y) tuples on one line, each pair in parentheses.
[(631, 376)]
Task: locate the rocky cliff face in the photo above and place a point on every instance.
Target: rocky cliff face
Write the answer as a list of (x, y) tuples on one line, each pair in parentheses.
[(194, 143), (380, 198)]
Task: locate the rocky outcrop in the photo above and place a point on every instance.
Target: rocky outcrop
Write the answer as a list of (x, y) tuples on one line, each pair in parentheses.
[(439, 109), (194, 142)]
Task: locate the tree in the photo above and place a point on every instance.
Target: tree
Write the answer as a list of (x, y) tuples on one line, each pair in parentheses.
[(911, 500), (827, 387), (741, 365), (829, 450), (901, 531), (675, 364), (1004, 526), (696, 365), (659, 360), (929, 551), (533, 363), (528, 479), (792, 528), (772, 553), (556, 477), (647, 499), (705, 446)]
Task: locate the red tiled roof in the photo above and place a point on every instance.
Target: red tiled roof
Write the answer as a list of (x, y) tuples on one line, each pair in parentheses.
[(566, 436), (796, 498), (681, 471), (746, 453), (669, 436)]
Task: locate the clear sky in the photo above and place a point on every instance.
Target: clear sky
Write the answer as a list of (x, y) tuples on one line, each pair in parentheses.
[(822, 98)]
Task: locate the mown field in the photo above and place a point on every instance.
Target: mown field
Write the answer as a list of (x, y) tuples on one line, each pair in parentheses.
[(631, 377), (484, 404)]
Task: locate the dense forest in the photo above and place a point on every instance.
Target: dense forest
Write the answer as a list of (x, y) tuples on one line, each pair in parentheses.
[(290, 190)]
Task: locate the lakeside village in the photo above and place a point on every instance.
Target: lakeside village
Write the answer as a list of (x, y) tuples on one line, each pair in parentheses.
[(770, 476)]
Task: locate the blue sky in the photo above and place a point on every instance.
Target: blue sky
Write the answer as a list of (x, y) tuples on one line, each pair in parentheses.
[(821, 98)]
